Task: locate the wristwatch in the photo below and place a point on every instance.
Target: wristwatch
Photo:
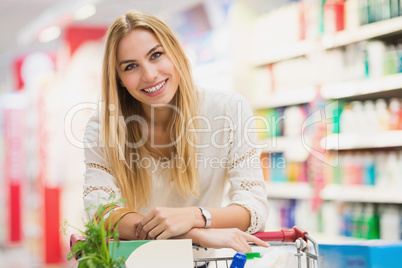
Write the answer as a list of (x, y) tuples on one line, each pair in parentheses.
[(207, 216)]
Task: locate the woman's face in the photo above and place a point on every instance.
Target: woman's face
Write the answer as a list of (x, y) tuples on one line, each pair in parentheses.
[(145, 69)]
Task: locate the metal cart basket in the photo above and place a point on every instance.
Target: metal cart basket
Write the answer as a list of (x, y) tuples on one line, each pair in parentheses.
[(295, 237), (305, 248)]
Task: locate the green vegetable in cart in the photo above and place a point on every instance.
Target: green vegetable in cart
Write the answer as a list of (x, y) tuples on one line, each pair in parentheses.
[(94, 250)]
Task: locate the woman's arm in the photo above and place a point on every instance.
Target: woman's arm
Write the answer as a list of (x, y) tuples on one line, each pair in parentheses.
[(164, 223), (211, 237), (223, 238), (127, 226), (247, 186), (232, 216)]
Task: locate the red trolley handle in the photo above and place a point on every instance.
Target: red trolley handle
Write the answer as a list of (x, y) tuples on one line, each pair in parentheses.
[(74, 238), (284, 235)]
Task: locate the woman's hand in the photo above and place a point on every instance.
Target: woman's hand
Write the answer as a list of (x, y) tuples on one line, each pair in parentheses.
[(164, 223), (224, 238)]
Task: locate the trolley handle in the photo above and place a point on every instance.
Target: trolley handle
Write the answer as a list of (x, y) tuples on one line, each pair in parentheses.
[(284, 235), (74, 238)]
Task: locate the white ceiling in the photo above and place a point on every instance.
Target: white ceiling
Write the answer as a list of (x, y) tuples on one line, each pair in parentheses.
[(27, 17), (15, 14)]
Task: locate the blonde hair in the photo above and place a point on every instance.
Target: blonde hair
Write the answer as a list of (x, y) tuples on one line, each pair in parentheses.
[(135, 182)]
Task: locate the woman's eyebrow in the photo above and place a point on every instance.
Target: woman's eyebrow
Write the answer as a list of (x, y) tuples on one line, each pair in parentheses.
[(148, 53), (152, 50)]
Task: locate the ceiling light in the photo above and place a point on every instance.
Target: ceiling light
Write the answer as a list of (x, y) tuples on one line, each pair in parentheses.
[(84, 12), (49, 34)]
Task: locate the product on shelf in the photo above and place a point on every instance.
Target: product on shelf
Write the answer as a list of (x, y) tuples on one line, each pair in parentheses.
[(277, 169), (368, 117), (360, 221), (391, 222), (334, 20), (379, 168)]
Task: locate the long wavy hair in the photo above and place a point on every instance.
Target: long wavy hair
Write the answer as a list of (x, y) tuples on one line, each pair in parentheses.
[(134, 181)]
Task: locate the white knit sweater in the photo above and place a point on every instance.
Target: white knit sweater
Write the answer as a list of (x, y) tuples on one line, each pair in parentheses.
[(228, 162)]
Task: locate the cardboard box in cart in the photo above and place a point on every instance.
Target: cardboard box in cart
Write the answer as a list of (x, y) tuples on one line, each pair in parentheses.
[(155, 253), (362, 254)]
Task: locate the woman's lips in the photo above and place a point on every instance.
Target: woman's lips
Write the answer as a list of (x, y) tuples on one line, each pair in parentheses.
[(159, 91)]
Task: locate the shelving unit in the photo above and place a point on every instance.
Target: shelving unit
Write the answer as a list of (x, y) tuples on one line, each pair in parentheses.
[(338, 193), (279, 144), (295, 97), (294, 190), (360, 88), (359, 141), (291, 146), (299, 49), (330, 41), (362, 193), (386, 87), (365, 32)]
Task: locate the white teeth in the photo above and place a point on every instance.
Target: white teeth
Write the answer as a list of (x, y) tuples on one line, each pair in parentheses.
[(155, 88)]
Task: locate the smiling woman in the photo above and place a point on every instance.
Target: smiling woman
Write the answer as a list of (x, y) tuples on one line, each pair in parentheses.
[(168, 148)]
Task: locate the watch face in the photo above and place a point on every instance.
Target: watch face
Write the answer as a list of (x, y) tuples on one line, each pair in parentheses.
[(207, 214)]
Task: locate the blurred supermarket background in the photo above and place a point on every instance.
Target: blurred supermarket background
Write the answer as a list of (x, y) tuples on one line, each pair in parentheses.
[(324, 78)]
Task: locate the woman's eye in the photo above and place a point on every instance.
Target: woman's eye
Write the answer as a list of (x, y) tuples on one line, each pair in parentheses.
[(156, 55), (130, 67)]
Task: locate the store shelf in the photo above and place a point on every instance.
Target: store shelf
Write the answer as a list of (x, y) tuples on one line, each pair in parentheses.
[(362, 141), (322, 238), (362, 87), (287, 98), (285, 190), (365, 32), (279, 144), (285, 52), (343, 38), (362, 193)]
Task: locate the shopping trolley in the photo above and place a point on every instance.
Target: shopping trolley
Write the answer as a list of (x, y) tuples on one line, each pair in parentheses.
[(295, 237), (305, 248)]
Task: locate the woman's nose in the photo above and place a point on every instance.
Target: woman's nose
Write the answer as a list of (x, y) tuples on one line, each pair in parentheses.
[(149, 73)]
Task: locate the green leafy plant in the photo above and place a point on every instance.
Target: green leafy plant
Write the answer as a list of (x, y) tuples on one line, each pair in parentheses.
[(94, 250)]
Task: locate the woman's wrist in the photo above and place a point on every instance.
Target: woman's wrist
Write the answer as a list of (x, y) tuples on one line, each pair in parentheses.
[(199, 220), (193, 234)]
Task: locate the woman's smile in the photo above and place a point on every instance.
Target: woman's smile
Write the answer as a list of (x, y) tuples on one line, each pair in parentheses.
[(155, 89)]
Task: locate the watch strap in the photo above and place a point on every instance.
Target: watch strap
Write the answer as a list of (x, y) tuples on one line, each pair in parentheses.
[(207, 216)]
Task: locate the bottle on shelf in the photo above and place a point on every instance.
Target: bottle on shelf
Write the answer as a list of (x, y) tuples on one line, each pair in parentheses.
[(392, 169), (347, 220), (347, 120), (334, 13), (383, 115), (390, 223), (395, 109), (370, 224), (376, 58), (371, 116), (399, 181), (368, 169)]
